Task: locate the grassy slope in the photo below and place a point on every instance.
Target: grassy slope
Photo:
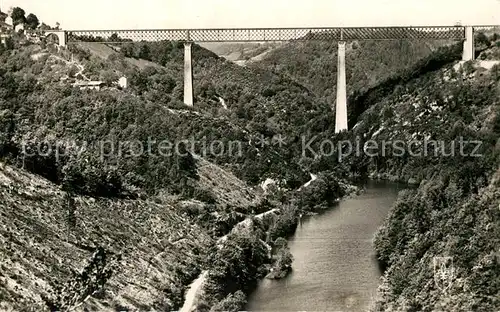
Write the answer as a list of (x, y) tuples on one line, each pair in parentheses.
[(227, 188), (151, 251), (103, 51), (240, 51)]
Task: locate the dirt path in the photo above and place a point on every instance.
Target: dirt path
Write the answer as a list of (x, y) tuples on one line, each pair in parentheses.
[(81, 68), (193, 292), (196, 286)]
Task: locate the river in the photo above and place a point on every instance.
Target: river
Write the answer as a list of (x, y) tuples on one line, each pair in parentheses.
[(334, 267)]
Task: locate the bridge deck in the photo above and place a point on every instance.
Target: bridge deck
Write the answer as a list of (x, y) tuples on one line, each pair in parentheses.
[(271, 34)]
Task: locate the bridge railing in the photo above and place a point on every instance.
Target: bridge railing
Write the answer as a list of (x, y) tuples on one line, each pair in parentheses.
[(495, 28)]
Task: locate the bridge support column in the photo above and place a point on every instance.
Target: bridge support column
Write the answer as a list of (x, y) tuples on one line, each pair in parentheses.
[(62, 38), (341, 104), (469, 52), (188, 75)]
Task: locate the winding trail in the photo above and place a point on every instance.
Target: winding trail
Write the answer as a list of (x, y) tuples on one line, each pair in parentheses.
[(193, 292), (196, 287), (80, 67)]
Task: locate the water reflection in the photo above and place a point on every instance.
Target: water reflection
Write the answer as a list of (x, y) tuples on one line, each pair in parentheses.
[(334, 266)]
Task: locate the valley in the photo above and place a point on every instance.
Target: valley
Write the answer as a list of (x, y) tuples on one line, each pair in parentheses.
[(107, 203)]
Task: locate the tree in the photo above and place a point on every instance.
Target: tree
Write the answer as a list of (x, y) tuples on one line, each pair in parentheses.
[(9, 43), (18, 16), (32, 21), (232, 303), (128, 50), (44, 26), (109, 77), (284, 259), (482, 40), (145, 52), (280, 242), (114, 38)]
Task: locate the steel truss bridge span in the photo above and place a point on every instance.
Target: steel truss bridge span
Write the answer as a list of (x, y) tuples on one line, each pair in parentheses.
[(270, 34)]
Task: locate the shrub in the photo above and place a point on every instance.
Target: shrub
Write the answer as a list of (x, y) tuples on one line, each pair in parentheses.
[(286, 222), (232, 303)]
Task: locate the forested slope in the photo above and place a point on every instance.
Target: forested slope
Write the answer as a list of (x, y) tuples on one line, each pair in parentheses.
[(454, 212), (97, 193), (108, 230), (314, 64), (60, 251), (417, 115), (98, 185)]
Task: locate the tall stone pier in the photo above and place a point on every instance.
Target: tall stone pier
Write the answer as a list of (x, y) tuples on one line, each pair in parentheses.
[(188, 75), (469, 52), (341, 104), (63, 38)]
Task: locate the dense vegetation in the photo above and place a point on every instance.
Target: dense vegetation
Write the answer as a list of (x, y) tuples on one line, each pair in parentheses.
[(454, 213), (413, 94), (61, 116), (57, 131), (438, 110), (440, 220), (283, 260), (313, 64), (261, 105)]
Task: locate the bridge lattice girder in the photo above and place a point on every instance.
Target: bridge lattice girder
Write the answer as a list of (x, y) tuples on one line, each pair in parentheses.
[(272, 34)]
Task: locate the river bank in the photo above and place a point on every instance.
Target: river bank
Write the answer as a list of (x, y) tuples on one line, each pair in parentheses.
[(334, 266), (244, 256)]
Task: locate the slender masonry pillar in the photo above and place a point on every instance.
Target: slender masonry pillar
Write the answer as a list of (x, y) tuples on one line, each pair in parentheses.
[(62, 38), (469, 52), (341, 105), (188, 75)]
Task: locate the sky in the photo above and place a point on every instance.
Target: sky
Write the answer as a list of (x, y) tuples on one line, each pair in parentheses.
[(154, 14)]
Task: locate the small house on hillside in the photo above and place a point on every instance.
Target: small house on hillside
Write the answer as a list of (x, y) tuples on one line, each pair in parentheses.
[(89, 85), (123, 82), (33, 36), (3, 16), (4, 27), (19, 27), (3, 38)]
